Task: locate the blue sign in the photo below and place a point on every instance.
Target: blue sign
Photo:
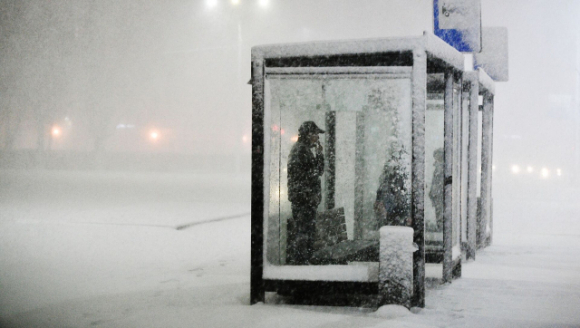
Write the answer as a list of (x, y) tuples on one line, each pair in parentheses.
[(458, 22)]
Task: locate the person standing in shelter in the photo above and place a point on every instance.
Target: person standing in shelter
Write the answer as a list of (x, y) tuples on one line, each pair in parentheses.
[(305, 167), (392, 205), (437, 192)]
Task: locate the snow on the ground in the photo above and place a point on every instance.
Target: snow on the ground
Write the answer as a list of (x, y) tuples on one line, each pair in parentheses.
[(101, 250)]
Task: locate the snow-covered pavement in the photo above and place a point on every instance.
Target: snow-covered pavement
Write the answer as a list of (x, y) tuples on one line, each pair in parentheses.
[(102, 250)]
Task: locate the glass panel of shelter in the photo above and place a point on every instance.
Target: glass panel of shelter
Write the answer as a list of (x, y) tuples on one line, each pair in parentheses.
[(366, 176), (434, 163), (435, 167)]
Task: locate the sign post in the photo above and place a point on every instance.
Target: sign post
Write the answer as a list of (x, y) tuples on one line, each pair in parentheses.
[(493, 57)]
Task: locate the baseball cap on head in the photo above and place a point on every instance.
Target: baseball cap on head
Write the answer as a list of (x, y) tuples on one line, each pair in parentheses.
[(309, 127)]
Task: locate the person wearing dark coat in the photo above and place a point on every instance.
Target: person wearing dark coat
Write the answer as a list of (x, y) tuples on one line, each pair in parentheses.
[(305, 167), (392, 205), (437, 191)]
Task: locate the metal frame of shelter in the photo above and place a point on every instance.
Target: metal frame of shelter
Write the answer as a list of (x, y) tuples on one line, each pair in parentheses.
[(417, 57), (480, 216)]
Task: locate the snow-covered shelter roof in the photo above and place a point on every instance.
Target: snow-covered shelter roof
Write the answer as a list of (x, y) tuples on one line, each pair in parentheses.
[(486, 83), (428, 42)]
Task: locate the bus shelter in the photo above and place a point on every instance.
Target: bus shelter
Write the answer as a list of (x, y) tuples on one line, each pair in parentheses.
[(382, 112)]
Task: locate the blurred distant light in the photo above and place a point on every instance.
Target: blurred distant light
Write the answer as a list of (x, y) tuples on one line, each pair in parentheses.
[(121, 126), (154, 135), (56, 131), (493, 167), (282, 131), (235, 2), (263, 3), (545, 173), (559, 172), (211, 3), (130, 126), (515, 169), (245, 139), (294, 139), (275, 127), (530, 169)]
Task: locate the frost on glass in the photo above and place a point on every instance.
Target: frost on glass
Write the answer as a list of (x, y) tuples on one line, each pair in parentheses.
[(434, 162), (290, 103), (366, 182)]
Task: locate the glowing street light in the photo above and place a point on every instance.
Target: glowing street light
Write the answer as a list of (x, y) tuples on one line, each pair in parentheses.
[(530, 169), (545, 173), (211, 3), (235, 2), (515, 169), (294, 139), (558, 172), (263, 3), (154, 135), (56, 131)]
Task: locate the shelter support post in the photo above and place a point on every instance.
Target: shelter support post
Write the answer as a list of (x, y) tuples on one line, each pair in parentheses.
[(486, 168), (448, 174), (488, 100), (359, 173), (330, 156), (472, 168), (419, 96), (257, 293)]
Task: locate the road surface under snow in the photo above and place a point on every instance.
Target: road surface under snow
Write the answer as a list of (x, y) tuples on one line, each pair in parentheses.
[(103, 249)]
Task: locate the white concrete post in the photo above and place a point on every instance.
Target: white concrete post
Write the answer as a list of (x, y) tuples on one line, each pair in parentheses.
[(396, 265)]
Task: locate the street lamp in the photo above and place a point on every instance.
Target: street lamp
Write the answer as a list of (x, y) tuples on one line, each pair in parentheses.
[(545, 172), (211, 3), (56, 131)]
